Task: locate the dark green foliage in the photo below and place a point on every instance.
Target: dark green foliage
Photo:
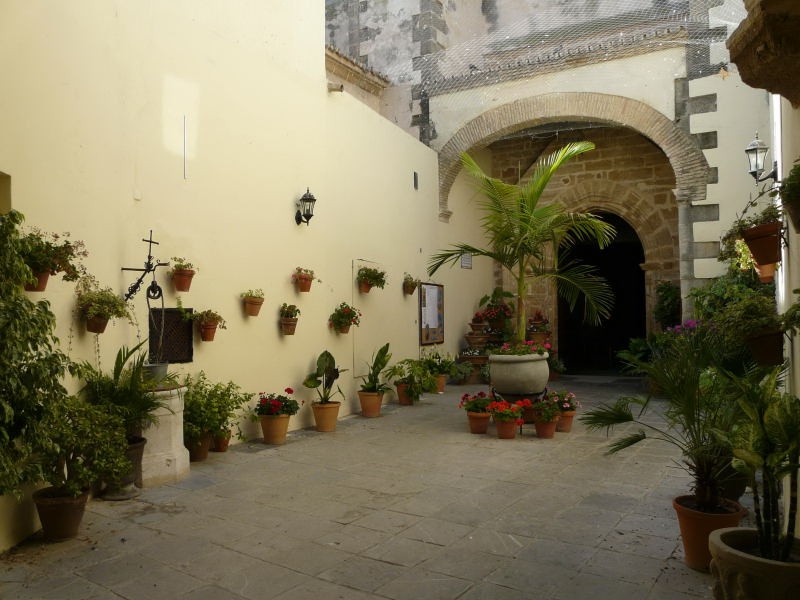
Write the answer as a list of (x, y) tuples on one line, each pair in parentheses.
[(210, 407), (94, 301), (416, 374), (323, 377), (32, 365), (667, 310), (374, 277)]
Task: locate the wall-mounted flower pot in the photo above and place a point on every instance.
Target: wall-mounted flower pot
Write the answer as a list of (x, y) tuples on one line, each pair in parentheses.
[(302, 283), (41, 282), (343, 329), (252, 305), (96, 324), (766, 273), (766, 347), (409, 287), (364, 287), (182, 279), (288, 325), (764, 242), (207, 332)]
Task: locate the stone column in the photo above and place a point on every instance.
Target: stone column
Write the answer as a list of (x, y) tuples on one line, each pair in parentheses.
[(166, 459), (685, 251)]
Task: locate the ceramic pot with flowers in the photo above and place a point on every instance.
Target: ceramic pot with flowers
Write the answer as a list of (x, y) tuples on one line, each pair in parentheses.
[(568, 404), (288, 314), (475, 406), (252, 301), (302, 279), (182, 273), (343, 317), (507, 417), (546, 413), (273, 411), (368, 278), (519, 368)]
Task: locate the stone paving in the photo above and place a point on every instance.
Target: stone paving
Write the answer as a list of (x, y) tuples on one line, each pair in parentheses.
[(409, 506)]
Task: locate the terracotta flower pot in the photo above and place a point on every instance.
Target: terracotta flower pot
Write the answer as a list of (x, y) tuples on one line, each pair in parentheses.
[(564, 424), (478, 327), (402, 395), (370, 403), (506, 430), (274, 428), (303, 283), (476, 340), (478, 422), (61, 516), (207, 332), (221, 442), (696, 526), (545, 430), (739, 573), (252, 306), (408, 288), (182, 279), (326, 415), (441, 383), (343, 329), (766, 273), (41, 282), (198, 449), (96, 324), (764, 242), (364, 287), (288, 325)]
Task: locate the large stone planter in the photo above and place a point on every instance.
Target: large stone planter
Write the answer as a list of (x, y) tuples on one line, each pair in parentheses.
[(166, 459), (524, 375), (738, 574)]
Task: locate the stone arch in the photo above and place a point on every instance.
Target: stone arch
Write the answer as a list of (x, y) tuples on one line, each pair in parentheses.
[(686, 159)]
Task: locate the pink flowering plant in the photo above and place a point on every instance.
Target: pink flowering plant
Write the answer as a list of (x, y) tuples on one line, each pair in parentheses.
[(522, 348), (502, 410), (547, 409), (277, 404), (565, 400), (476, 403)]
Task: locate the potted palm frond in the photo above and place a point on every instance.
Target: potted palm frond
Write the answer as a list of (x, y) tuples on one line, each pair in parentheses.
[(371, 393), (322, 379), (524, 237)]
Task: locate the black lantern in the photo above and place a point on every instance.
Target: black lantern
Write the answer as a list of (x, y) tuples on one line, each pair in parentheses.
[(305, 208), (756, 152)]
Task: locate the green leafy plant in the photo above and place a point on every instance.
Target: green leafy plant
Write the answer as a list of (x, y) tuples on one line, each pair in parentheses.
[(182, 264), (438, 363), (476, 403), (565, 400), (53, 253), (288, 311), (410, 283), (667, 310), (212, 407), (415, 374), (323, 378), (731, 247), (202, 317), (525, 238), (83, 444), (33, 366), (546, 409), (344, 315), (303, 273), (96, 302), (374, 277), (555, 364), (257, 293), (461, 371), (372, 380), (275, 404)]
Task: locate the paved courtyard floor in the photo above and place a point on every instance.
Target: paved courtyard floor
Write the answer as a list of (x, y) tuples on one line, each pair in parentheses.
[(409, 506)]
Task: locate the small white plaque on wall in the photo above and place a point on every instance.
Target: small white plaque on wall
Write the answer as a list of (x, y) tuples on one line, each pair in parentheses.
[(466, 261)]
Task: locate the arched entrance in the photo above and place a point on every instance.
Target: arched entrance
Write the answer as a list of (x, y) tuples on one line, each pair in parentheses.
[(588, 349)]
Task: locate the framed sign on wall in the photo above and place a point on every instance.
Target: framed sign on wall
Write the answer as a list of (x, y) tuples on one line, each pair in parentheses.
[(431, 314)]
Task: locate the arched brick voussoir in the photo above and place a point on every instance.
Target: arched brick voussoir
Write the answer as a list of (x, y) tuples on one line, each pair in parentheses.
[(686, 159)]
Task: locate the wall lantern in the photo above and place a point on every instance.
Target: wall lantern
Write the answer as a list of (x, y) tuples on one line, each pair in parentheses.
[(756, 152), (305, 208)]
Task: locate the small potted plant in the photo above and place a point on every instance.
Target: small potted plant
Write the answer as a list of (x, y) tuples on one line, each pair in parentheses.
[(98, 305), (507, 416), (410, 284), (302, 279), (78, 445), (226, 400), (182, 273), (287, 314), (477, 415), (50, 253), (368, 277), (790, 195), (441, 365), (343, 317), (273, 411), (372, 389), (208, 321), (322, 379), (205, 410), (412, 379), (550, 409), (252, 299)]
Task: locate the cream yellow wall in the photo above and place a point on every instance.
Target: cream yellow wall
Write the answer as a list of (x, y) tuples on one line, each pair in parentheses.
[(92, 135)]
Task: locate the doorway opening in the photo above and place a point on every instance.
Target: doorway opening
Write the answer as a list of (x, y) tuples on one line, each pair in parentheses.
[(590, 349)]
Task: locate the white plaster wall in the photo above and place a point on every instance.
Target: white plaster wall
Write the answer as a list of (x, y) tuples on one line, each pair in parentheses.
[(789, 271), (647, 78), (741, 111)]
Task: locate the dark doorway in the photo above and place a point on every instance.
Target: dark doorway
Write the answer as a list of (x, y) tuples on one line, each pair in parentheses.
[(589, 349)]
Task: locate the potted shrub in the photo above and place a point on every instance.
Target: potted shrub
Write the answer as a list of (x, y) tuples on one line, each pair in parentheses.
[(50, 253), (182, 273), (252, 299), (698, 407), (410, 284), (98, 305), (523, 236), (302, 279), (226, 399), (288, 318), (372, 389), (412, 379), (762, 563), (208, 410), (273, 411), (322, 379), (367, 278), (79, 445), (507, 416), (477, 415), (343, 316), (126, 393), (790, 195), (441, 365), (208, 321)]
